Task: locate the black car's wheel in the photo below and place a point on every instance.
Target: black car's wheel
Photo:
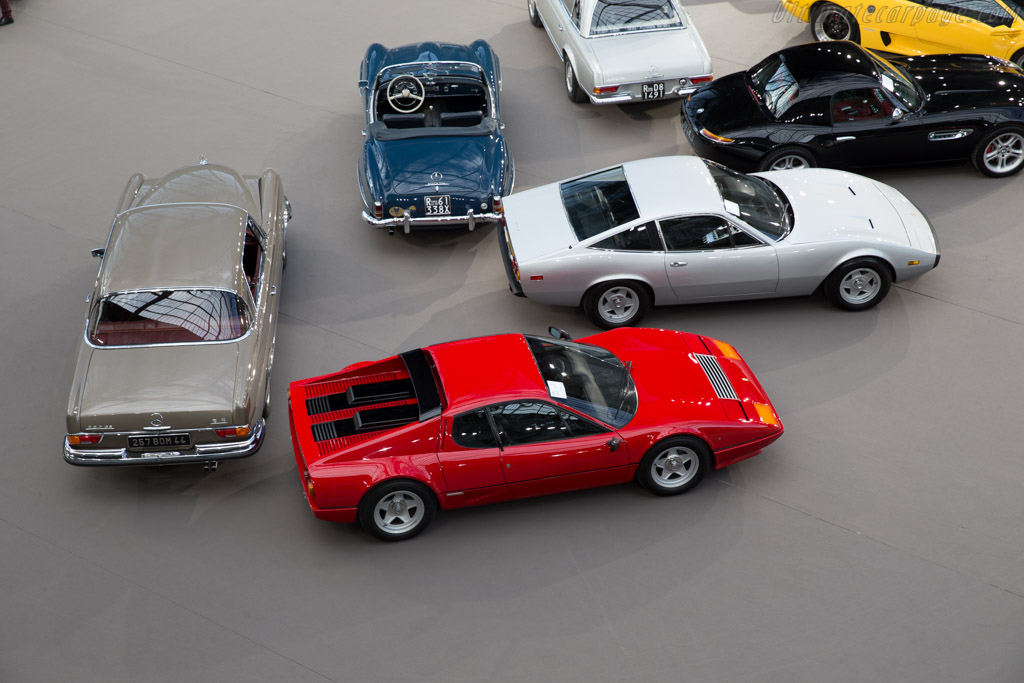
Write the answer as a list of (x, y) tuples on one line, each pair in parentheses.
[(572, 86), (674, 466), (832, 22), (397, 510), (858, 284), (786, 158), (619, 303), (1001, 152), (531, 7)]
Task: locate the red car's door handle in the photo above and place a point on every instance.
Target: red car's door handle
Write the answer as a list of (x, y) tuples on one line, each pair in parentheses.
[(614, 443)]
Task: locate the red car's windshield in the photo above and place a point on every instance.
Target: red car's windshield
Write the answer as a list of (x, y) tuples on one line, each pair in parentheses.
[(586, 378)]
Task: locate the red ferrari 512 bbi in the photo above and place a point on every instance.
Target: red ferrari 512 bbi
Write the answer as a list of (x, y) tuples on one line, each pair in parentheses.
[(386, 443)]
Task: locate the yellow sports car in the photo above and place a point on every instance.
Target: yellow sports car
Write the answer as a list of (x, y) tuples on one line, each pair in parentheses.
[(989, 27)]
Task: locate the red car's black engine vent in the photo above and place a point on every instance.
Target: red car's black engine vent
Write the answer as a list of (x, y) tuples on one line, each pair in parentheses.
[(361, 394), (370, 420)]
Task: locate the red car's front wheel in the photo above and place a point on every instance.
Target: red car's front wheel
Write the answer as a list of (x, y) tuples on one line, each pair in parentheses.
[(674, 466)]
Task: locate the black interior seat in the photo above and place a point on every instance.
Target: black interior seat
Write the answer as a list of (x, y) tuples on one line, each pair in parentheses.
[(414, 120), (462, 118)]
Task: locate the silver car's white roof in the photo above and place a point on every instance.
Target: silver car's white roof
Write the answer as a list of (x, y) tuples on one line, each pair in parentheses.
[(664, 186)]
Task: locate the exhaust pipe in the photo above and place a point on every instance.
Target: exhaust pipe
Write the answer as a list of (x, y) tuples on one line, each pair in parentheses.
[(210, 465)]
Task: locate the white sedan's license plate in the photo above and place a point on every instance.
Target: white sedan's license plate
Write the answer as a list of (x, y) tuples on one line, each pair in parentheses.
[(159, 442), (653, 91), (438, 205)]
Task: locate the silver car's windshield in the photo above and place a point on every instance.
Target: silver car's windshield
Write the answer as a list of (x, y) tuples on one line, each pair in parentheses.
[(586, 378), (598, 202), (167, 317), (758, 202), (617, 16)]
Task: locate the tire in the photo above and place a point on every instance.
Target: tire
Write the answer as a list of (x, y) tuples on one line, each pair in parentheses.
[(858, 284), (787, 158), (531, 8), (1018, 58), (1001, 152), (397, 510), (619, 303), (832, 22), (572, 86), (674, 466)]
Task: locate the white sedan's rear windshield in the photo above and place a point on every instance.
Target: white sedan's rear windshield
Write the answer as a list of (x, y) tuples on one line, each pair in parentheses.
[(616, 16), (598, 202), (167, 317)]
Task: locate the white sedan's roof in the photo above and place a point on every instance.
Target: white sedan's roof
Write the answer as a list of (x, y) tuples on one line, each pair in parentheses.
[(664, 186)]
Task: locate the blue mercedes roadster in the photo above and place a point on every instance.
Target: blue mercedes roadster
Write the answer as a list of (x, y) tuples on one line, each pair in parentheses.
[(434, 153)]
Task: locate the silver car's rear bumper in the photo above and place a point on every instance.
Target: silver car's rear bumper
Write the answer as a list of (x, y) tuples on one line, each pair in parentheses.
[(202, 453)]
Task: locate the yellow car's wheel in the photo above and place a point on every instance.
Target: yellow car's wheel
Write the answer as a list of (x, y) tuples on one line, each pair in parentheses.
[(1018, 58), (832, 22)]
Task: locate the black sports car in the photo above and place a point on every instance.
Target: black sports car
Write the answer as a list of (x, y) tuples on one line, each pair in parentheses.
[(838, 104)]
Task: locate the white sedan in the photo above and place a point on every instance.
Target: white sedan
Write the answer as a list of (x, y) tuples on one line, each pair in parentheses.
[(681, 229), (616, 51)]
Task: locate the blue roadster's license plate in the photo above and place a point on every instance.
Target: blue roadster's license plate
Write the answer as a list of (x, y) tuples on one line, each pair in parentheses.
[(438, 205)]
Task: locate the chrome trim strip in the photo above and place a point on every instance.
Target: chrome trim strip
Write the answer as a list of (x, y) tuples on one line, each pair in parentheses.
[(121, 456), (723, 389)]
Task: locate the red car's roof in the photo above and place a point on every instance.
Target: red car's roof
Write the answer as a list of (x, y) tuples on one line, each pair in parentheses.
[(478, 370)]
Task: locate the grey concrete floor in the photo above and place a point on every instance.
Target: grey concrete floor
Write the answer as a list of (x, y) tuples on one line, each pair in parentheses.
[(880, 540)]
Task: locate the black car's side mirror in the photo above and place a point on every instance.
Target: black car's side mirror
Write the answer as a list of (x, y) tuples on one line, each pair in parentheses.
[(98, 252), (559, 333)]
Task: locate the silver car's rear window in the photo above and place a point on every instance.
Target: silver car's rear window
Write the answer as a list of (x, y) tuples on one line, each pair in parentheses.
[(616, 16), (167, 317), (598, 202)]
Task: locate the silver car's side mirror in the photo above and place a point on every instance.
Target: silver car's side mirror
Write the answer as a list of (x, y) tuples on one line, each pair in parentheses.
[(559, 333), (897, 114), (98, 252)]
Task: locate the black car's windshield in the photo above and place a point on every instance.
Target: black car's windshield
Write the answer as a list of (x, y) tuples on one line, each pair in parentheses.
[(598, 202), (616, 16), (760, 203), (898, 82), (586, 378), (774, 84), (172, 316)]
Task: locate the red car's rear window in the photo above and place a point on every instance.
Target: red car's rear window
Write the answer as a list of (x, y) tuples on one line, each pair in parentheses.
[(167, 317)]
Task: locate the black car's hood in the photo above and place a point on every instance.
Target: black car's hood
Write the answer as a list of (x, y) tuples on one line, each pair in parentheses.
[(965, 81), (454, 165), (724, 105)]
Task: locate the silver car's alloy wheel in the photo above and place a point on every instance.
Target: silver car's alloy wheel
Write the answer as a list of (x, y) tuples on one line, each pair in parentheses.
[(531, 7), (832, 24), (570, 78), (398, 512), (860, 285), (1005, 153), (788, 162), (618, 304), (675, 467)]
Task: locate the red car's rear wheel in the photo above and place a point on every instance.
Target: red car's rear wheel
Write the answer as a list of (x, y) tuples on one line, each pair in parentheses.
[(397, 510)]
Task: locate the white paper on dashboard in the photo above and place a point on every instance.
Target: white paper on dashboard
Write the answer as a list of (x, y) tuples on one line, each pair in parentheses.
[(887, 82), (731, 207), (556, 389)]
